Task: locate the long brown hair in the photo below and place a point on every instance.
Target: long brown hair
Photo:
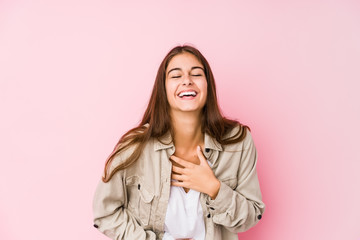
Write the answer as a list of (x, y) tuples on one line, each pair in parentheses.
[(158, 120)]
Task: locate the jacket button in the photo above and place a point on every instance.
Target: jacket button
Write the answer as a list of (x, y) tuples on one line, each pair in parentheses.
[(96, 226), (209, 215), (259, 217), (139, 186), (207, 149)]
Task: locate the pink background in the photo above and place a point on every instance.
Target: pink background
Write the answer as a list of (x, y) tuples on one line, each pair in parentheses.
[(75, 75)]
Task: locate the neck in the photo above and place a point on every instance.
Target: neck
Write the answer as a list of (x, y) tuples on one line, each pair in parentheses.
[(187, 130)]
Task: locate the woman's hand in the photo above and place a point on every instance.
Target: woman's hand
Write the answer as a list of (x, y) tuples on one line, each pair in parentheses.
[(198, 177)]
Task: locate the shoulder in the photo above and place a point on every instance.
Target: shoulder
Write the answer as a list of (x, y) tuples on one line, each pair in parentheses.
[(244, 144), (127, 149)]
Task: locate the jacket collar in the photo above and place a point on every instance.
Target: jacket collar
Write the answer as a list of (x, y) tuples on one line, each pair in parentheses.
[(163, 142)]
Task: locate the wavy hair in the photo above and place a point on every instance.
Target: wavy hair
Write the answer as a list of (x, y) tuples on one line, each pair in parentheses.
[(158, 119)]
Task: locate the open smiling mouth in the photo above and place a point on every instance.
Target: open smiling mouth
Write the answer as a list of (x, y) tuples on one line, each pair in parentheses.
[(187, 94)]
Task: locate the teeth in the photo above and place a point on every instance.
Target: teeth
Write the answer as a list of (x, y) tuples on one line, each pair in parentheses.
[(190, 93)]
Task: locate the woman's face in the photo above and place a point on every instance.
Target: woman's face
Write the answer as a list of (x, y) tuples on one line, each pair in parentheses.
[(185, 83)]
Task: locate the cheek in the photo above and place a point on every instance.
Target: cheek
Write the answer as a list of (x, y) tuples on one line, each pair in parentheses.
[(169, 90), (203, 87)]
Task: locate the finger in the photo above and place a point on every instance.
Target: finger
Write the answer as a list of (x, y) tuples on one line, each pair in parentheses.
[(177, 177), (200, 155), (182, 162), (178, 170), (177, 184)]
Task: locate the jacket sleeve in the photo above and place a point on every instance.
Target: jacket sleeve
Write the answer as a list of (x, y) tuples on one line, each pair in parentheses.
[(240, 208), (111, 217)]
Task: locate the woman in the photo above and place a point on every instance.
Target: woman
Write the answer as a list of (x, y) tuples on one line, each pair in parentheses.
[(186, 172)]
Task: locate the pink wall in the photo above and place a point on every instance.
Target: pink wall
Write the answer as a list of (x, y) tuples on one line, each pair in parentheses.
[(74, 75)]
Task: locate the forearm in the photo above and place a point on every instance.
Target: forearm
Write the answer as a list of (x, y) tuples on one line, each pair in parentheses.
[(122, 225), (233, 210), (111, 217)]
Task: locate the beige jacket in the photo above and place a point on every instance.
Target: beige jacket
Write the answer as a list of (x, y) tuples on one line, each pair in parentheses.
[(133, 204)]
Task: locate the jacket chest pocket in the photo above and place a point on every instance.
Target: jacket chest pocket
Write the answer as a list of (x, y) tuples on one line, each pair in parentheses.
[(139, 199)]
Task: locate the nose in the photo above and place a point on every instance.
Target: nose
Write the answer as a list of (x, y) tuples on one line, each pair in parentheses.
[(187, 80)]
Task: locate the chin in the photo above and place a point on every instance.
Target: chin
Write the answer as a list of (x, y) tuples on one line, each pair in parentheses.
[(188, 109)]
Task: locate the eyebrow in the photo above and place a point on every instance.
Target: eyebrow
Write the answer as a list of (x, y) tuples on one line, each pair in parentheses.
[(181, 69)]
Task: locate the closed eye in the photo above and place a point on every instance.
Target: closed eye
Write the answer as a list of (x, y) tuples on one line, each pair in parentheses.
[(175, 76), (197, 75)]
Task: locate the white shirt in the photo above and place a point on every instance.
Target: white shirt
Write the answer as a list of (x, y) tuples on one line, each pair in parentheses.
[(184, 215)]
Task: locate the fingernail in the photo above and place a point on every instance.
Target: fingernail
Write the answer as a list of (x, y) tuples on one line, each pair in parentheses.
[(198, 147)]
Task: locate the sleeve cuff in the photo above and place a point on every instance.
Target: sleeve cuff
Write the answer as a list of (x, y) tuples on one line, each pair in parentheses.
[(222, 200)]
